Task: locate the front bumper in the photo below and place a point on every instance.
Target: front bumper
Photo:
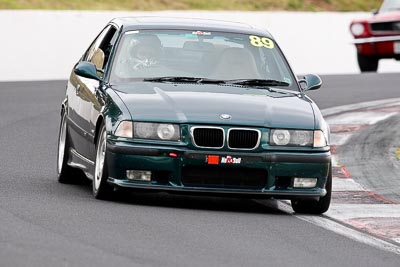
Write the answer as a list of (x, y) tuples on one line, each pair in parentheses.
[(382, 46), (186, 171), (378, 39)]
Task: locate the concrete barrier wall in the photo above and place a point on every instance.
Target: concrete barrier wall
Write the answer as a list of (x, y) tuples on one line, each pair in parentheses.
[(44, 45)]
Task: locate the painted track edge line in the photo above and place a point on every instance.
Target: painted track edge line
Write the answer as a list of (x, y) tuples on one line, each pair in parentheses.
[(367, 104), (338, 227), (333, 225)]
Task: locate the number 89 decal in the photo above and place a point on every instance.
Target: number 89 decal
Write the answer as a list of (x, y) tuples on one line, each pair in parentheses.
[(261, 42)]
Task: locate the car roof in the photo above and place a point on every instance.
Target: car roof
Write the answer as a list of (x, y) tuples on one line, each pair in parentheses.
[(173, 23)]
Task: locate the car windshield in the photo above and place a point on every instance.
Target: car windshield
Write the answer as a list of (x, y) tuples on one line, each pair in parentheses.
[(390, 5), (197, 56)]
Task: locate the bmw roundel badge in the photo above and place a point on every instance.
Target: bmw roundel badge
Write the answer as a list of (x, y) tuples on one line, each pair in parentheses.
[(225, 117)]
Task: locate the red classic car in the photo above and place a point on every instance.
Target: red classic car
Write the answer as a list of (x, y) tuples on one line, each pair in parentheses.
[(378, 37)]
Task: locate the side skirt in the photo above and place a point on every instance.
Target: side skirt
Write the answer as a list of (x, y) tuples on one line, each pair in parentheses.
[(76, 160)]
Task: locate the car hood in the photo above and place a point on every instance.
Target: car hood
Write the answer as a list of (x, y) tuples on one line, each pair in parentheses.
[(386, 16), (204, 104), (380, 17)]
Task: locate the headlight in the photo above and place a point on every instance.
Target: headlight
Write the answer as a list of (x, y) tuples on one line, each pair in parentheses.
[(357, 29), (282, 137), (166, 131), (156, 131), (124, 129)]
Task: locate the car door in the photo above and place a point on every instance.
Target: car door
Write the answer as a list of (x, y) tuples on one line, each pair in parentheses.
[(84, 101)]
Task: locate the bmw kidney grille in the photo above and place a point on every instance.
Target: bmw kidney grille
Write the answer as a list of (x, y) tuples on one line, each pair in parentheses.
[(214, 137)]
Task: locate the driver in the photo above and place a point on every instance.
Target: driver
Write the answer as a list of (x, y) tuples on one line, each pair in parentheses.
[(144, 51)]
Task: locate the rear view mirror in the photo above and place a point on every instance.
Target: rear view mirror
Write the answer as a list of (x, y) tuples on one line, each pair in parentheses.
[(310, 82), (87, 70)]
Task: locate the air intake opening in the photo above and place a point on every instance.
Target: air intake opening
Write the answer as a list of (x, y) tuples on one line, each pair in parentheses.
[(224, 177), (283, 182)]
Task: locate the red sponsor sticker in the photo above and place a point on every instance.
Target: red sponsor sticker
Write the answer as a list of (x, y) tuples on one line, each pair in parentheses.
[(213, 160)]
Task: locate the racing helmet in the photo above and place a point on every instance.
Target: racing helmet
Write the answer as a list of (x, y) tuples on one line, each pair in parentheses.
[(145, 48)]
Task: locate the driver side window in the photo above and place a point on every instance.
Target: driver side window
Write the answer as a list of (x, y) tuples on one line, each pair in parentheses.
[(99, 51)]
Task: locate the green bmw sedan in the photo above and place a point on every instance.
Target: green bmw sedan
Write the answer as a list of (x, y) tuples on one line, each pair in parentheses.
[(193, 106)]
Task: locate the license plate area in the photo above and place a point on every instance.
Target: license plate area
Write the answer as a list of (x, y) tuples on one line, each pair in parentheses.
[(222, 177), (233, 159)]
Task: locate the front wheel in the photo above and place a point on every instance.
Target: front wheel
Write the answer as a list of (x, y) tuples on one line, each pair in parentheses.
[(100, 186), (367, 63), (315, 206)]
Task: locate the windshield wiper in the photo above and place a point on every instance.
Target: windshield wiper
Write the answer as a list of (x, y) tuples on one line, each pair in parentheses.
[(249, 82), (258, 82), (183, 80)]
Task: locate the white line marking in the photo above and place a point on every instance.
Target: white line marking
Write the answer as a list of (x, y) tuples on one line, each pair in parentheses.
[(396, 239), (334, 160), (368, 104), (338, 228), (366, 117), (333, 226), (339, 139), (346, 184), (349, 211)]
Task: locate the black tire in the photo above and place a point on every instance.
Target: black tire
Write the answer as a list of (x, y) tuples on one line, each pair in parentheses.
[(315, 206), (367, 63), (100, 187), (65, 173)]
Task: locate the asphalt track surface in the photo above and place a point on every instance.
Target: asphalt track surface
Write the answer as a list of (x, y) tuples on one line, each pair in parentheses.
[(44, 223), (371, 158)]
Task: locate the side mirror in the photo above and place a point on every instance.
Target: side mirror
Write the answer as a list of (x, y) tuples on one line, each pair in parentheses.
[(88, 70), (375, 11), (310, 82)]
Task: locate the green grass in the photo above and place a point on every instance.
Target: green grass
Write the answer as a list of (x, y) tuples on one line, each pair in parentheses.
[(255, 5)]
